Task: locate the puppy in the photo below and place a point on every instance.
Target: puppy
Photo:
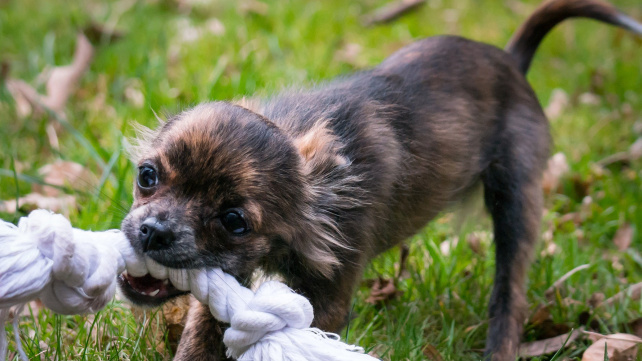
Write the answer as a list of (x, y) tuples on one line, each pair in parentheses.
[(312, 184)]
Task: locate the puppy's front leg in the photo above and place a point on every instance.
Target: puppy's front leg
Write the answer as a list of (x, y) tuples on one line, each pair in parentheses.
[(202, 339), (331, 298)]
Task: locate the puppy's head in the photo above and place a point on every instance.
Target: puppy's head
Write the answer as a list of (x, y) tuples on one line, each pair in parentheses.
[(219, 186)]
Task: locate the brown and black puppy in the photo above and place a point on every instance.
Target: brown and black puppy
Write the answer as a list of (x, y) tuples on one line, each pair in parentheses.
[(312, 184)]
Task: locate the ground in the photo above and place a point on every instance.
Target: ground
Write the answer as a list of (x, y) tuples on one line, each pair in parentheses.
[(176, 53)]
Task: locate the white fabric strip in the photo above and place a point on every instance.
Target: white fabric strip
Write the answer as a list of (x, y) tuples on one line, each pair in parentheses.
[(74, 272)]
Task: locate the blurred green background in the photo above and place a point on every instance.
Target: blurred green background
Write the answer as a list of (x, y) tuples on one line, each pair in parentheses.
[(163, 56)]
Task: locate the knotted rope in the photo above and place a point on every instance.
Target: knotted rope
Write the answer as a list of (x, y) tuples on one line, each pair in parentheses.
[(74, 271)]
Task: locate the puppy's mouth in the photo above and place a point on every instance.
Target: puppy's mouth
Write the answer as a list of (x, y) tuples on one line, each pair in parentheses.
[(148, 290)]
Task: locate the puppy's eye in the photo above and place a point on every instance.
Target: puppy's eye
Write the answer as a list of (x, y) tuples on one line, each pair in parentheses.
[(234, 223), (147, 177)]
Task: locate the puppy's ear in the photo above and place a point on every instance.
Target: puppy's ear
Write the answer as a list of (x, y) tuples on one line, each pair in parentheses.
[(331, 190), (320, 150)]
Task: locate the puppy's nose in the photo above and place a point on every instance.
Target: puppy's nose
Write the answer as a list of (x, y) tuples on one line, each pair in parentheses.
[(155, 235)]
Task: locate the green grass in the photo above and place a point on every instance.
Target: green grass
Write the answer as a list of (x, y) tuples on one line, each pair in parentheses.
[(445, 297)]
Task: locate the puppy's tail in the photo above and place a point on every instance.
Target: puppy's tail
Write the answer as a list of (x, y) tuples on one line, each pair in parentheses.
[(524, 43)]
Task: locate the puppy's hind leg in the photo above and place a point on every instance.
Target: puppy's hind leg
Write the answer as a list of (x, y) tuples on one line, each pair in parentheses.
[(513, 196)]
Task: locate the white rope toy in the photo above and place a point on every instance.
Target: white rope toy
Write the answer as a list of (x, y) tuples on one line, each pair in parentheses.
[(74, 271)]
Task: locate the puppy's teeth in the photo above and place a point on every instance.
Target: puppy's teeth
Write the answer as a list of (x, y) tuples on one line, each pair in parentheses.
[(154, 293), (125, 273), (166, 282), (144, 293), (157, 271)]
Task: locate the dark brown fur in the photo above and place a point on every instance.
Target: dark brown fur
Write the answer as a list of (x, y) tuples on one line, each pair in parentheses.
[(330, 177)]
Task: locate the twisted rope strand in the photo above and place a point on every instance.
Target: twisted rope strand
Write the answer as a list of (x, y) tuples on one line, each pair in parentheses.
[(74, 271)]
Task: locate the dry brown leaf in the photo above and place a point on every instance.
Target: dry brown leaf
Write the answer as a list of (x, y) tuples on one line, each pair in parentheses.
[(557, 167), (634, 152), (636, 327), (24, 96), (60, 84), (391, 11), (32, 201), (63, 79), (542, 325), (549, 345), (574, 217), (64, 173), (382, 291), (215, 26), (557, 104), (96, 32), (596, 299), (632, 293), (619, 347), (349, 54), (590, 99), (431, 353), (175, 312), (623, 237), (542, 314), (474, 242), (550, 292), (253, 7), (448, 244)]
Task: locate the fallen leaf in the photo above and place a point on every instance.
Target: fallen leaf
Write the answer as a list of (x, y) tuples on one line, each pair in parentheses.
[(215, 26), (175, 313), (596, 299), (23, 94), (134, 95), (549, 345), (636, 327), (634, 152), (349, 54), (474, 242), (97, 33), (542, 326), (60, 84), (542, 314), (253, 7), (590, 99), (570, 217), (619, 347), (632, 293), (556, 168), (623, 237), (431, 353), (550, 292), (63, 79), (557, 104), (448, 244), (64, 173), (32, 201), (382, 291), (391, 11)]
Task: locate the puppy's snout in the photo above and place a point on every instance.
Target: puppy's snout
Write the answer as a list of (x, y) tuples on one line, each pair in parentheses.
[(155, 235)]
